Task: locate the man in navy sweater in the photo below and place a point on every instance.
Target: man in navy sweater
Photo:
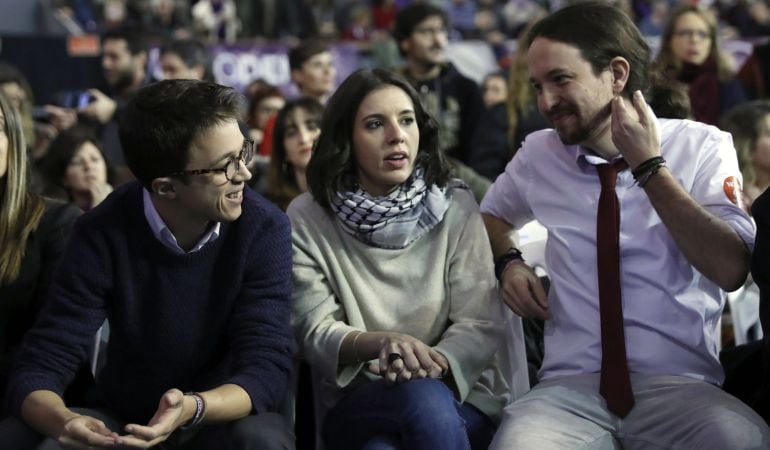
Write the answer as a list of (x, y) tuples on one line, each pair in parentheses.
[(193, 272)]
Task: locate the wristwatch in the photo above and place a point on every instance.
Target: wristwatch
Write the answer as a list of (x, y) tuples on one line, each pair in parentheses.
[(513, 254)]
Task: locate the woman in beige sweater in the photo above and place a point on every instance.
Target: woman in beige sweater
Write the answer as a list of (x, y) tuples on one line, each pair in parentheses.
[(395, 305)]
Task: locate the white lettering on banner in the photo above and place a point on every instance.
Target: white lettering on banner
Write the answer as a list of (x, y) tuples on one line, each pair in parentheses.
[(238, 69)]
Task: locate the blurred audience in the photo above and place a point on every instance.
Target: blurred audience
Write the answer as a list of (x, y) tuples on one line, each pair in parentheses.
[(653, 19), (124, 63), (690, 54), (453, 99), (524, 117), (751, 18), (494, 89), (504, 126), (186, 59), (265, 100), (670, 101), (296, 131), (360, 26), (75, 169), (384, 14), (215, 20), (312, 69), (166, 20), (749, 124), (19, 93), (490, 143)]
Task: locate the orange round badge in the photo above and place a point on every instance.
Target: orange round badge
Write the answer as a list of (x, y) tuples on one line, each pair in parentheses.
[(733, 190)]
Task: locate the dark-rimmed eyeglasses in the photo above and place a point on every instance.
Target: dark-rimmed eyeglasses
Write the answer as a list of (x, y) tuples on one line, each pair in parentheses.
[(231, 167)]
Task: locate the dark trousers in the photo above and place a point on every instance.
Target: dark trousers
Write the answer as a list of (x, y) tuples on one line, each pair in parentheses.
[(266, 431)]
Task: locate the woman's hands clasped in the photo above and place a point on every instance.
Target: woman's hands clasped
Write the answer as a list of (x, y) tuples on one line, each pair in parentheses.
[(403, 358)]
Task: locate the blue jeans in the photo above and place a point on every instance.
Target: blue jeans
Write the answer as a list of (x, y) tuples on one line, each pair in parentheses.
[(415, 415)]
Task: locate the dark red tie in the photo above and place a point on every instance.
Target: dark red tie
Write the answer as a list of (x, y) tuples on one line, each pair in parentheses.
[(615, 384)]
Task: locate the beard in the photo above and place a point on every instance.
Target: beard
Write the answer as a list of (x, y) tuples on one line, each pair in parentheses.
[(574, 137), (582, 130), (124, 78)]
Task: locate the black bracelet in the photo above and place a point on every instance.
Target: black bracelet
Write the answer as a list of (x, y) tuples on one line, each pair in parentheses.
[(642, 181), (513, 254), (200, 410), (647, 166)]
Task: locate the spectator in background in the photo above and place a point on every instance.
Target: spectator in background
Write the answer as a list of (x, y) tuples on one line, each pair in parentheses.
[(359, 25), (653, 20), (33, 232), (494, 89), (115, 15), (524, 117), (451, 98), (690, 54), (312, 70), (78, 12), (751, 18), (462, 15), (165, 20), (186, 59), (749, 124), (39, 125), (384, 14), (124, 64), (503, 127), (490, 144), (75, 169), (518, 14), (296, 131), (265, 101), (489, 26), (19, 93), (670, 101), (215, 20)]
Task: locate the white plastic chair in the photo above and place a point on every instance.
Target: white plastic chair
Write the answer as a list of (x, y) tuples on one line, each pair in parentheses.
[(744, 310)]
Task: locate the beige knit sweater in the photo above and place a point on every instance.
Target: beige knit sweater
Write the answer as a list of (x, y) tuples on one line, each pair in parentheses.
[(440, 289)]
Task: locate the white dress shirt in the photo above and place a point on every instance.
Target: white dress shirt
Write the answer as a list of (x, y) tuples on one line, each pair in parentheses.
[(670, 310)]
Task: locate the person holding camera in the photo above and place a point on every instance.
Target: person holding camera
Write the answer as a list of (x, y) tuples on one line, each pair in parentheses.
[(124, 63)]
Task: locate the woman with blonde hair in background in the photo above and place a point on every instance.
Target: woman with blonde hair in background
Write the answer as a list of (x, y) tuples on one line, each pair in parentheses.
[(749, 124)]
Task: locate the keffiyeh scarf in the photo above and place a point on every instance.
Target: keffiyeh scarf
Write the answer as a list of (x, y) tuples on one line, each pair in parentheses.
[(394, 220)]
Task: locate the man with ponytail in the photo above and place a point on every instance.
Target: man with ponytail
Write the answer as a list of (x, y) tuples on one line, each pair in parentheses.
[(645, 233)]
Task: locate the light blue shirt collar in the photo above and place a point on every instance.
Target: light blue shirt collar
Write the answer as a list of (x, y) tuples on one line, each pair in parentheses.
[(162, 233)]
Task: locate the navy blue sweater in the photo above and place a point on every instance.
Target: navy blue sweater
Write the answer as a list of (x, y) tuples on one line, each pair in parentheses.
[(191, 321)]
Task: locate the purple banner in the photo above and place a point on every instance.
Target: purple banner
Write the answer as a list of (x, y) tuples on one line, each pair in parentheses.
[(239, 64)]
